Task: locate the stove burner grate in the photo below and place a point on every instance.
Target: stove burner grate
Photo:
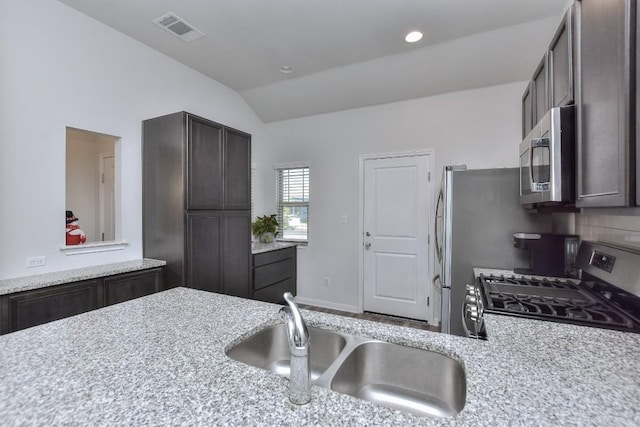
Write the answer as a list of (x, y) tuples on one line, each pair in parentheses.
[(557, 300)]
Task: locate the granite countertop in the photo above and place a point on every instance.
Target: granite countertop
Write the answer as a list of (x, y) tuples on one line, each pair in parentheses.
[(160, 360), (18, 284), (259, 247)]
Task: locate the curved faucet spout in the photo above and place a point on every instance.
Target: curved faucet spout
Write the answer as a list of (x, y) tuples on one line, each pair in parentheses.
[(298, 335), (296, 327)]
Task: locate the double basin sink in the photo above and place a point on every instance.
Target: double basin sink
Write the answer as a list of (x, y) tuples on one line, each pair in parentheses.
[(421, 382)]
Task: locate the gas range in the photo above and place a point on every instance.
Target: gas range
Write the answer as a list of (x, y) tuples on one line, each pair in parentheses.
[(607, 296), (555, 300)]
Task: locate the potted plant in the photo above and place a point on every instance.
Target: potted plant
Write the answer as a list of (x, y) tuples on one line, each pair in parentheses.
[(265, 227)]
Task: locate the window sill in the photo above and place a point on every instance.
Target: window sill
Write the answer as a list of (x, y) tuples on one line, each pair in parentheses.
[(89, 248)]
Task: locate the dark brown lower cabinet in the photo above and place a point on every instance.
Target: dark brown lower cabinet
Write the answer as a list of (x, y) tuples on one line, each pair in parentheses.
[(124, 287), (274, 273), (25, 309), (30, 308), (218, 251)]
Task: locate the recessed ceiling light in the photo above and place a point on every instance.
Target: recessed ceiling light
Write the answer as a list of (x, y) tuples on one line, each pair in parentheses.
[(413, 36), (286, 69)]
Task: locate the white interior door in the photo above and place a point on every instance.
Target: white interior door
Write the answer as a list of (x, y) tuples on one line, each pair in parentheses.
[(396, 208), (107, 198)]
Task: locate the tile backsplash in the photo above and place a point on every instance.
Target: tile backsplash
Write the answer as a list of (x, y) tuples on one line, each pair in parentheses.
[(620, 229)]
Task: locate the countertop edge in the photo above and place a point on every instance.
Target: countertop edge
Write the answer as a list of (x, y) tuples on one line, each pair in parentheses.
[(25, 283)]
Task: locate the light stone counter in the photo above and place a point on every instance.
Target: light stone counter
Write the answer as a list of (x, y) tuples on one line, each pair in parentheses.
[(159, 360), (9, 286), (258, 247)]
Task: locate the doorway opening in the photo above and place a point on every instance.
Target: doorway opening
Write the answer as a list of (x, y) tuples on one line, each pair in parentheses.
[(396, 257)]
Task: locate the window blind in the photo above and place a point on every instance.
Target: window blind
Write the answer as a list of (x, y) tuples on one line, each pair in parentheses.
[(293, 203)]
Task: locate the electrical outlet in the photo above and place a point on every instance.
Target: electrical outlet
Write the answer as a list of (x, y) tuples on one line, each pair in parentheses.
[(343, 218), (327, 282), (37, 261)]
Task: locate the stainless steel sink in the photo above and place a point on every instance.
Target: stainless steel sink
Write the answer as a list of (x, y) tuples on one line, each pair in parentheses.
[(408, 379), (269, 349)]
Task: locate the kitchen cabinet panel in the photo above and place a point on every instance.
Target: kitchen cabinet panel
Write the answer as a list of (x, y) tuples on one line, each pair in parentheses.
[(274, 273), (527, 110), (210, 266), (237, 168), (561, 68), (540, 92), (203, 251), (35, 307), (237, 264), (124, 287), (275, 291), (606, 159), (196, 188), (204, 166)]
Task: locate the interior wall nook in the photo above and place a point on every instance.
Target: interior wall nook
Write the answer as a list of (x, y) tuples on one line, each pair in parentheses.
[(90, 182)]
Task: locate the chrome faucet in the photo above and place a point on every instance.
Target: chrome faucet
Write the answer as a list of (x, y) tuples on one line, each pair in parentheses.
[(300, 374)]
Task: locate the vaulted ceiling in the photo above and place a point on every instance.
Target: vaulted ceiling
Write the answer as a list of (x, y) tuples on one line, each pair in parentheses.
[(343, 53)]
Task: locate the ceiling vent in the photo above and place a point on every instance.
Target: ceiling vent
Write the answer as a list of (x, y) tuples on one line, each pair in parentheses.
[(179, 27)]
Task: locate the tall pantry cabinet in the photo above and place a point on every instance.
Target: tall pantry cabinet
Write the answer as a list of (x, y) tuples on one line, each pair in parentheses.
[(197, 202)]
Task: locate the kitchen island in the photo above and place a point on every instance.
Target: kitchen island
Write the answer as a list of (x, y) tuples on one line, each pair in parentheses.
[(160, 360)]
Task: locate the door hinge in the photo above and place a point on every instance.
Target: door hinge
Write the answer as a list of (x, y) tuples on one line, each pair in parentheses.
[(428, 301), (428, 239), (428, 176), (102, 179)]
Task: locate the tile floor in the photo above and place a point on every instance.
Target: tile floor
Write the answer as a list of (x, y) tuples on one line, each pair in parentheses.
[(399, 321)]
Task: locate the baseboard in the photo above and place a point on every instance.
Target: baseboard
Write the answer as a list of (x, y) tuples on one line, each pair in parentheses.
[(327, 304)]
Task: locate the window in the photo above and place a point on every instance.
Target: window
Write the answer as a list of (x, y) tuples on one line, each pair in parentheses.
[(293, 203)]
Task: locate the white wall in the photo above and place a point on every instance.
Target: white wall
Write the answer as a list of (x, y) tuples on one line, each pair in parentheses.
[(478, 127), (59, 68)]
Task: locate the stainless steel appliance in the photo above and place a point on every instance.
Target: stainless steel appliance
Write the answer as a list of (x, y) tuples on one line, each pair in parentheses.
[(477, 213), (547, 156), (549, 254), (607, 296)]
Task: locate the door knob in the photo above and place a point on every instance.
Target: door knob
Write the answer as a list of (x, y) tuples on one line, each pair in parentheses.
[(367, 234), (367, 245)]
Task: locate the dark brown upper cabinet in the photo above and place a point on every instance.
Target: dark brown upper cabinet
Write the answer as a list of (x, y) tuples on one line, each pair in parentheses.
[(561, 62), (606, 102), (219, 171), (527, 110), (540, 90), (552, 82), (205, 164)]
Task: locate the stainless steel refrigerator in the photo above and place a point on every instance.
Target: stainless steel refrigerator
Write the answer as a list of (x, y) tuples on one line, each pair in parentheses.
[(477, 213)]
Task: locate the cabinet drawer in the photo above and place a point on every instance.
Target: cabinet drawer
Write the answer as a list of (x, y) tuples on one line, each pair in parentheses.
[(124, 287), (274, 272), (31, 308), (274, 292), (273, 256)]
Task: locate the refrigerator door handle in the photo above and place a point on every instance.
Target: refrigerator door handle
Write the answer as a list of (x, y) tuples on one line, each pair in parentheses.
[(435, 227)]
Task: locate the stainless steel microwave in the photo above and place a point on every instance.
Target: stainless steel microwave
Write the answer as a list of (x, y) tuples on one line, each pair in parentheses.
[(547, 156)]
